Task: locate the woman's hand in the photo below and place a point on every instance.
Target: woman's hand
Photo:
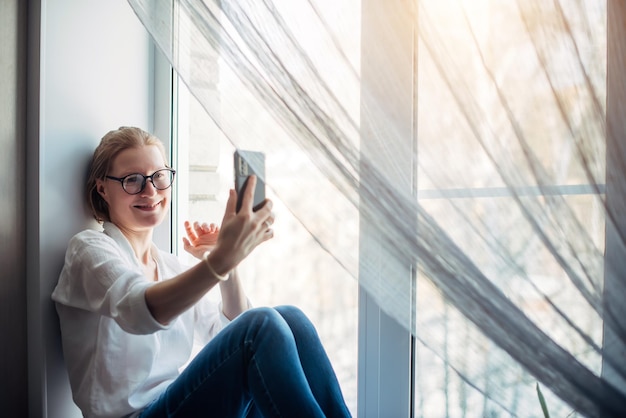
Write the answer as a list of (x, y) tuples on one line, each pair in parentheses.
[(241, 232), (200, 238)]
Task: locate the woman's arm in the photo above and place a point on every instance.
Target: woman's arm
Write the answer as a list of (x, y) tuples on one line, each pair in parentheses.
[(234, 299), (168, 299), (202, 238), (240, 233)]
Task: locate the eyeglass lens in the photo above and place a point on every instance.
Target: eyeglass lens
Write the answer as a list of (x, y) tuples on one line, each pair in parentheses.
[(161, 180)]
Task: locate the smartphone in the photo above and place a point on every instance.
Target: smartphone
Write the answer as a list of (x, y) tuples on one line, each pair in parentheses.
[(248, 163)]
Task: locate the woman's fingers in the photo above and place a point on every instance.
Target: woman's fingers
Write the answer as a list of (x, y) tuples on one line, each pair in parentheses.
[(270, 219), (267, 223), (240, 232), (190, 232), (231, 206), (248, 194), (200, 234), (268, 233)]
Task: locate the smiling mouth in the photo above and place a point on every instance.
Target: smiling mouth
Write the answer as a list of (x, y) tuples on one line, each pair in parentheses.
[(148, 207)]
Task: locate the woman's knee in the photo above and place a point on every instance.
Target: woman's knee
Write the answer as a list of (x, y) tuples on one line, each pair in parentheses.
[(285, 319), (262, 313), (291, 312), (267, 319), (294, 316), (297, 320)]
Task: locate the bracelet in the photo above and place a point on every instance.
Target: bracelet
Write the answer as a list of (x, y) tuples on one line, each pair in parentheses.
[(220, 277)]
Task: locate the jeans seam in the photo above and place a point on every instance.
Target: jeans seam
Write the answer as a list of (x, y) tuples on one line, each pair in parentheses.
[(267, 393)]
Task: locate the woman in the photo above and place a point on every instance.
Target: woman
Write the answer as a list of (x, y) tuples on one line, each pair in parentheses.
[(129, 312)]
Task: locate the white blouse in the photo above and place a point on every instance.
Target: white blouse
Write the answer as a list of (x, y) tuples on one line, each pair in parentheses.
[(119, 358)]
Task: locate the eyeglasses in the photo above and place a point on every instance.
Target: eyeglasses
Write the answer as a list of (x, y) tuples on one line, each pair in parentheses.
[(135, 183)]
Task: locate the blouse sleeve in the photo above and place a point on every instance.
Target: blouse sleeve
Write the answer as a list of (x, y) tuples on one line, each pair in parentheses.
[(98, 277)]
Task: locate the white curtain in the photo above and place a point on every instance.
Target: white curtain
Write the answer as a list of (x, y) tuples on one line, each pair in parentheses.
[(454, 157)]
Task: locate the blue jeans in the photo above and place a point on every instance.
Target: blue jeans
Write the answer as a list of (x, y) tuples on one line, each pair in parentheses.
[(266, 363)]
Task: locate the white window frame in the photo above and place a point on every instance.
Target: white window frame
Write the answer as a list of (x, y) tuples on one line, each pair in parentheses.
[(162, 128), (164, 120)]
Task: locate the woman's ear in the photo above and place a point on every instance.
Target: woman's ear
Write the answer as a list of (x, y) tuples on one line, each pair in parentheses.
[(101, 189)]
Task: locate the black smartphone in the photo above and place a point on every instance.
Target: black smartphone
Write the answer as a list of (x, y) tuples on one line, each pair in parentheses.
[(248, 163)]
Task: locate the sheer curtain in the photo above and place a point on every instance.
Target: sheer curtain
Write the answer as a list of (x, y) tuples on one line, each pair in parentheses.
[(499, 188)]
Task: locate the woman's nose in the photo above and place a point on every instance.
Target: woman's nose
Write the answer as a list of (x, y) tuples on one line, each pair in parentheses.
[(149, 189)]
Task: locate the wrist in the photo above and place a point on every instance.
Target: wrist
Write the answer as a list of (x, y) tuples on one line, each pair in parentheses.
[(215, 269)]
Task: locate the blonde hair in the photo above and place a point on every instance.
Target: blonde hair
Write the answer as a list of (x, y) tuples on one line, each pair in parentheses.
[(110, 146)]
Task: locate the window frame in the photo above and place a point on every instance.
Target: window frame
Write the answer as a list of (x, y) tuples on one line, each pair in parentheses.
[(163, 124)]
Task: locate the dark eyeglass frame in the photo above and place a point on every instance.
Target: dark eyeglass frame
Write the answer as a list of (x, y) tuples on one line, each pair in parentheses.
[(145, 180)]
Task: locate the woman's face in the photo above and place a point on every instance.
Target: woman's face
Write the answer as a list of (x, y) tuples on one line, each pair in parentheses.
[(142, 211)]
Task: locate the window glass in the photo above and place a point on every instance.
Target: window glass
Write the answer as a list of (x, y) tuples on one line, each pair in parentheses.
[(292, 268), (479, 55)]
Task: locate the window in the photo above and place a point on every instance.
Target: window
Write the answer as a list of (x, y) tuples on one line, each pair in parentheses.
[(505, 77), (289, 269), (490, 52)]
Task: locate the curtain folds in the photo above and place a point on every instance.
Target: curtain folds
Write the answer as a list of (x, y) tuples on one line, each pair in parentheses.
[(453, 157)]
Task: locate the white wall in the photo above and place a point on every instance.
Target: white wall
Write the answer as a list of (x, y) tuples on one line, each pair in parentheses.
[(89, 72)]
